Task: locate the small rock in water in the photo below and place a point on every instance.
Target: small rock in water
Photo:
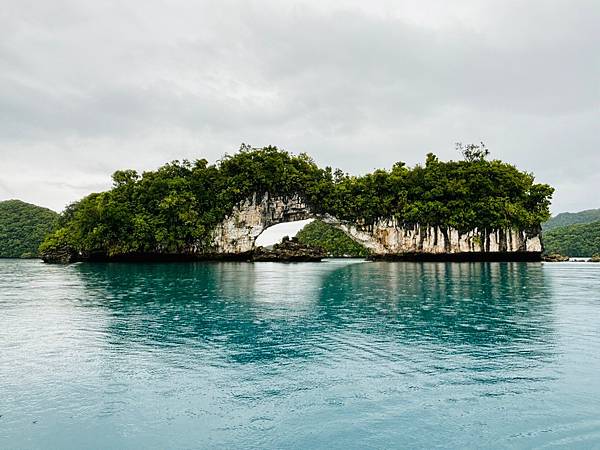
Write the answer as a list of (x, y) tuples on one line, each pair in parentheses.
[(289, 250), (555, 257)]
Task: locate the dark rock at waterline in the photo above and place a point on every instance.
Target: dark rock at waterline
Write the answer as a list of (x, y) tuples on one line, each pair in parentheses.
[(59, 256), (555, 257), (521, 256), (289, 251), (67, 257)]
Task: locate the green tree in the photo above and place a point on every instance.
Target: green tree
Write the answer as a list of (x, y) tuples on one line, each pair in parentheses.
[(473, 152)]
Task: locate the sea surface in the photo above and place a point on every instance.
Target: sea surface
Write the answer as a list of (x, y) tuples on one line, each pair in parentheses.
[(343, 354)]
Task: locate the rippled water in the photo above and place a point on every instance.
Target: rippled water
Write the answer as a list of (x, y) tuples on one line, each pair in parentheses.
[(342, 354)]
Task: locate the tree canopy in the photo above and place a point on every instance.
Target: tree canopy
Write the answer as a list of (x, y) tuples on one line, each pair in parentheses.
[(23, 227), (175, 208)]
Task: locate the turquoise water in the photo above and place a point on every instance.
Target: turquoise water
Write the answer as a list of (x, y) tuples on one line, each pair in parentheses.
[(341, 354)]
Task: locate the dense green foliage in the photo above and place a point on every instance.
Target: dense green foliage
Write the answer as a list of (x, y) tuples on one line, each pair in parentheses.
[(564, 219), (23, 227), (335, 242), (175, 208), (574, 240)]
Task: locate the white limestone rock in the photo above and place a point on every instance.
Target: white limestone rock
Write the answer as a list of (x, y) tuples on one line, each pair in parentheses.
[(238, 232)]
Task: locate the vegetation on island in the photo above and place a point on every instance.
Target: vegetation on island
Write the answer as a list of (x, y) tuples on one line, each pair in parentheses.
[(334, 242), (579, 240), (567, 218), (174, 209), (23, 227)]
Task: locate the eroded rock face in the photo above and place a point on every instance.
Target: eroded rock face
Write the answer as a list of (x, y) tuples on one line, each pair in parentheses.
[(238, 232), (388, 237)]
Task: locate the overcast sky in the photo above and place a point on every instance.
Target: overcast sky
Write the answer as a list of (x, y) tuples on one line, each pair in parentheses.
[(89, 87)]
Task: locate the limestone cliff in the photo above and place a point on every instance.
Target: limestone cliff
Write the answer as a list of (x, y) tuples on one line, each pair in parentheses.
[(238, 232)]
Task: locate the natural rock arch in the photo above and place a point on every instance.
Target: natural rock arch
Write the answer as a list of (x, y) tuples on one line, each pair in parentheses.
[(237, 233)]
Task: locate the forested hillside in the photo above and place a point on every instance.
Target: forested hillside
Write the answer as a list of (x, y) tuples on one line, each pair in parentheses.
[(335, 242), (567, 218), (23, 227), (574, 240)]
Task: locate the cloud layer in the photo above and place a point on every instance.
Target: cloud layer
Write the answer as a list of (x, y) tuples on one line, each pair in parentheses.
[(90, 87)]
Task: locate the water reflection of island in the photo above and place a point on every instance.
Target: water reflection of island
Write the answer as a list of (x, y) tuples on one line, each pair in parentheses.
[(473, 304), (251, 312)]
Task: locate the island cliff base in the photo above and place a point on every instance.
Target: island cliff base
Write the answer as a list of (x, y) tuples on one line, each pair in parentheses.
[(460, 257), (273, 257)]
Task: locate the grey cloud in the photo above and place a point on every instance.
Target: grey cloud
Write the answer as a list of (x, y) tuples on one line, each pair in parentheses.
[(105, 85)]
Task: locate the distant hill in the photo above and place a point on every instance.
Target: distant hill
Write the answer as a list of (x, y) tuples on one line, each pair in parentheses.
[(23, 227), (574, 240), (335, 242), (567, 218)]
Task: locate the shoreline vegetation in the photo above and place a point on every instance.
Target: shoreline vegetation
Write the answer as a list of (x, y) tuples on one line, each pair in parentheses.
[(172, 212)]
